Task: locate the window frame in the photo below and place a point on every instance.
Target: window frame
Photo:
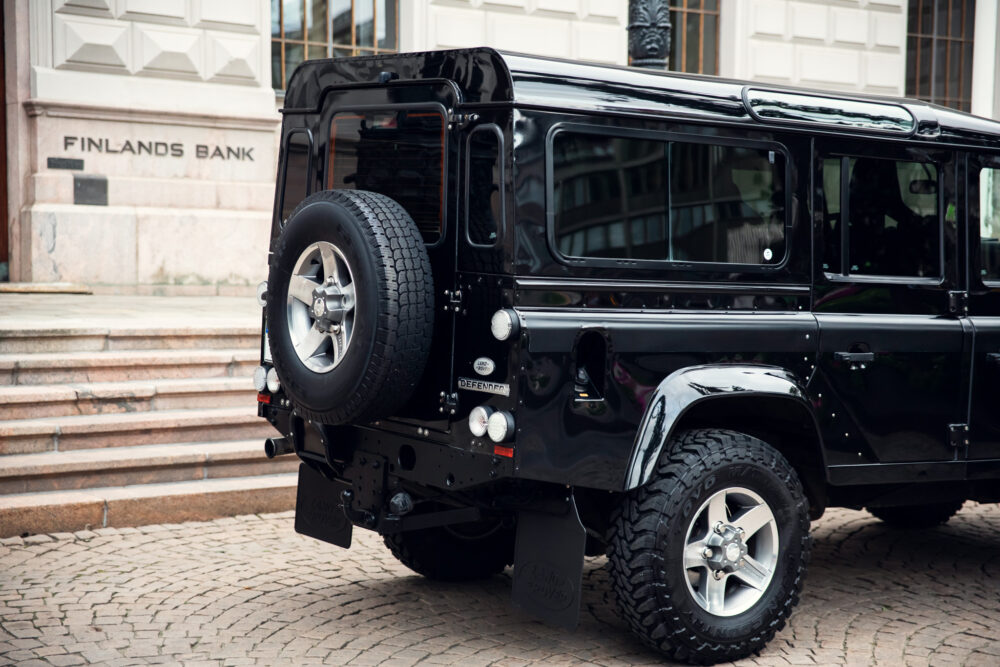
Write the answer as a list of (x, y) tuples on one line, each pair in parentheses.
[(928, 58), (679, 35), (975, 165), (502, 222), (329, 46), (328, 119), (666, 137), (845, 276)]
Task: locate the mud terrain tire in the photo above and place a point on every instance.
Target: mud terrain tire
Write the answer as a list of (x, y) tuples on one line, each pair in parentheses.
[(391, 316)]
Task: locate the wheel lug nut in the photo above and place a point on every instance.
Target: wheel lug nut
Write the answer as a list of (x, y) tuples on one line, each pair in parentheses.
[(707, 553), (717, 574), (718, 528)]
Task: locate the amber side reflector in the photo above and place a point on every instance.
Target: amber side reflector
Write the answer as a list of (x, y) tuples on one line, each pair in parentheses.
[(503, 451), (264, 398)]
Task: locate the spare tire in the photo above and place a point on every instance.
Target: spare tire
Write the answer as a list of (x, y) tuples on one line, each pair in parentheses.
[(350, 307)]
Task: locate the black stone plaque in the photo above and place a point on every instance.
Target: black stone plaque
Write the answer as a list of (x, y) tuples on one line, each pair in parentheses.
[(90, 189), (65, 163)]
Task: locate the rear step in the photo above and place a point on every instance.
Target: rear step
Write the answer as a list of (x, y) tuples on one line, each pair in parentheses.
[(148, 464), (131, 429), (175, 502)]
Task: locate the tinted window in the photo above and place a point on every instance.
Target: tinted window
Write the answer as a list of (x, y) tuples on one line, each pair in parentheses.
[(399, 154), (727, 204), (989, 223), (484, 212), (891, 214), (296, 183), (633, 198)]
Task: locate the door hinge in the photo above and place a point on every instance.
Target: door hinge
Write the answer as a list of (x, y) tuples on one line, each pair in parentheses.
[(958, 435), (454, 300), (458, 121), (449, 403), (958, 303)]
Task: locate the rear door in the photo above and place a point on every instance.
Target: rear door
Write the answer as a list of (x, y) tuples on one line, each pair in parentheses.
[(399, 142), (892, 351)]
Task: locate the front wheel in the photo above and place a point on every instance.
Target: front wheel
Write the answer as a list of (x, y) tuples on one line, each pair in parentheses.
[(707, 560)]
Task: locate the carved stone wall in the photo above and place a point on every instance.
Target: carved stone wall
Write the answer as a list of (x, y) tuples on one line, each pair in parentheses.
[(848, 45), (152, 145), (592, 30)]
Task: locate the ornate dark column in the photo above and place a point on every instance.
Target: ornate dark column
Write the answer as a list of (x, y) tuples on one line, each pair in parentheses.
[(649, 33)]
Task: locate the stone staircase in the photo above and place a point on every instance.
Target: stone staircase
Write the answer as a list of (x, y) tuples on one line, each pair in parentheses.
[(116, 426)]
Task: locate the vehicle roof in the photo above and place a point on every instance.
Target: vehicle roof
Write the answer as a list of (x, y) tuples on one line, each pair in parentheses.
[(486, 76)]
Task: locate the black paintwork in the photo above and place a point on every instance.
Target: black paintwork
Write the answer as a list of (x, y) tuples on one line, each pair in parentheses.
[(756, 348)]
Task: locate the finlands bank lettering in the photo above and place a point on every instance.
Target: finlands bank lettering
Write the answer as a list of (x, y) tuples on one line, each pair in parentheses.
[(157, 148)]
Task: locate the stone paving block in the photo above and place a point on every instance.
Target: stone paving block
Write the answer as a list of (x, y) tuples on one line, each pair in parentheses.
[(249, 590)]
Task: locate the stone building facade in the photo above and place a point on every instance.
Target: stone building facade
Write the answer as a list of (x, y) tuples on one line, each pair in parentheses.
[(142, 134)]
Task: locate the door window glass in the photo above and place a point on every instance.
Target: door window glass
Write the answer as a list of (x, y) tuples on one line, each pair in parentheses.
[(399, 154), (638, 198), (989, 223), (891, 214)]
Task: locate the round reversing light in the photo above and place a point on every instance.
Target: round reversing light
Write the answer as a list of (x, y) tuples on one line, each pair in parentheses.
[(273, 385), (503, 324), (260, 378), (479, 420), (500, 426), (262, 294)]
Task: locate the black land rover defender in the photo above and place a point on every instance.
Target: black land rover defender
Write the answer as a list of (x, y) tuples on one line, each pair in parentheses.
[(521, 310)]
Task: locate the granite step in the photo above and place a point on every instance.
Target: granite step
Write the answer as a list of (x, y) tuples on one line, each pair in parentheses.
[(118, 366), (25, 436), (91, 398), (143, 504), (95, 339), (128, 466)]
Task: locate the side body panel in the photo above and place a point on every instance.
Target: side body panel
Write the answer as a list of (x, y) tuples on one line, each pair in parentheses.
[(645, 321)]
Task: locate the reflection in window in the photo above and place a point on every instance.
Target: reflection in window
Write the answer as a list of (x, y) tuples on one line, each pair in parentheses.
[(892, 217), (484, 212), (310, 29), (989, 223), (631, 198), (398, 154)]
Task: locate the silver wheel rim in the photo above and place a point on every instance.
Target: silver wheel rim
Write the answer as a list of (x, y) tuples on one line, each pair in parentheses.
[(321, 305), (730, 552)]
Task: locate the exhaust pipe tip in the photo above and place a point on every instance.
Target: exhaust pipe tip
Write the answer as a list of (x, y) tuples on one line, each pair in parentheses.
[(278, 446)]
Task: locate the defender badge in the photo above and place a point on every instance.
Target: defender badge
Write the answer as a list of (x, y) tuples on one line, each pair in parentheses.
[(484, 365), (497, 388)]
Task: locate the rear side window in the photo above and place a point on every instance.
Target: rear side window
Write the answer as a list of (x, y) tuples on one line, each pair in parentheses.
[(989, 224), (399, 154), (890, 209), (298, 146), (484, 186), (648, 199)]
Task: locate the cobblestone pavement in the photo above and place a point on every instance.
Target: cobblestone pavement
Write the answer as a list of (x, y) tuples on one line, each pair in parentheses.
[(249, 590)]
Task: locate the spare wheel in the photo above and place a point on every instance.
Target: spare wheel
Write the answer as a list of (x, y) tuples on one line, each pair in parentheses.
[(350, 306)]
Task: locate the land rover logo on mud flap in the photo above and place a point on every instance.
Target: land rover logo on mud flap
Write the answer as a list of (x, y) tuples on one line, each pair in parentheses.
[(483, 365), (482, 385), (548, 586)]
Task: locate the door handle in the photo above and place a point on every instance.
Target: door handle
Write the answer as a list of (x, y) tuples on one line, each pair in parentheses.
[(993, 358), (855, 359)]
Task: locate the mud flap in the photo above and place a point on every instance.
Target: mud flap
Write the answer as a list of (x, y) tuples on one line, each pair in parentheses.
[(548, 565), (319, 511)]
